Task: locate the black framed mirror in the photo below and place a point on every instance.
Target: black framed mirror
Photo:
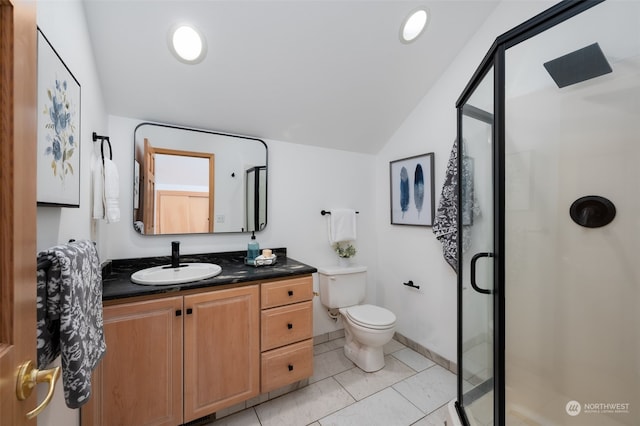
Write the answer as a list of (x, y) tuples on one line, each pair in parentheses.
[(193, 181)]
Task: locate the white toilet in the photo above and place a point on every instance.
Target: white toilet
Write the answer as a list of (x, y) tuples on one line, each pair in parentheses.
[(367, 328)]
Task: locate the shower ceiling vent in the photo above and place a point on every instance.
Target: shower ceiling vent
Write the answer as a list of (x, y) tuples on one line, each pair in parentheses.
[(581, 65)]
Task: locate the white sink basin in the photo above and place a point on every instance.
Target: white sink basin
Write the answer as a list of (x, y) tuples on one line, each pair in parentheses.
[(166, 275)]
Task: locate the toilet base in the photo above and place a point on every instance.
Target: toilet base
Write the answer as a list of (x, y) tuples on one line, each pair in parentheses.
[(367, 358)]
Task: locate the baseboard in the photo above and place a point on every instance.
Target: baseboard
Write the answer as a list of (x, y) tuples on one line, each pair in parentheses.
[(433, 356)]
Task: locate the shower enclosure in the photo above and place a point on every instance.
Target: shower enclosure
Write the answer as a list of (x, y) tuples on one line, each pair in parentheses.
[(548, 256)]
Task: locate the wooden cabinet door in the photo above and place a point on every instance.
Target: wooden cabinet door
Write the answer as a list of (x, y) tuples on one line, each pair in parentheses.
[(139, 380), (222, 354)]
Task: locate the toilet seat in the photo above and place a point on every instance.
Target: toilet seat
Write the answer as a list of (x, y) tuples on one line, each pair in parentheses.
[(371, 316)]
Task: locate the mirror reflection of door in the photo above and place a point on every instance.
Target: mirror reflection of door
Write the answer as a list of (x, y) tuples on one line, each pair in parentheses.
[(178, 196), (148, 184)]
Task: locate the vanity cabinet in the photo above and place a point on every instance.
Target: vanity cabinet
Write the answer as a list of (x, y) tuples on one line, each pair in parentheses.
[(286, 328), (172, 360)]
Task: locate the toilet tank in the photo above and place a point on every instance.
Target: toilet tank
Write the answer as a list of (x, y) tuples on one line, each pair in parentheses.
[(342, 286)]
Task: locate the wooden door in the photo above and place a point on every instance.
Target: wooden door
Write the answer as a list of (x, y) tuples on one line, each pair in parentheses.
[(183, 212), (139, 381), (148, 188), (172, 214), (17, 203), (221, 349), (200, 215), (199, 220)]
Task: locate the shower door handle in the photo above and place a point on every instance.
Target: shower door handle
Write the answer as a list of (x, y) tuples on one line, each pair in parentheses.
[(474, 259)]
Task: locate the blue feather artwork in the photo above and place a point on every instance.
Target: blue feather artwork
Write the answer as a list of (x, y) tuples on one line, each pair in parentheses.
[(404, 190), (418, 188)]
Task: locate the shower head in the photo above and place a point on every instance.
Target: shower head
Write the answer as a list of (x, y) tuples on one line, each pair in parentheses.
[(580, 65)]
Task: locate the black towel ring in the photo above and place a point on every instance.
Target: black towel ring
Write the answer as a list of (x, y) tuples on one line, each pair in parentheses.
[(102, 139)]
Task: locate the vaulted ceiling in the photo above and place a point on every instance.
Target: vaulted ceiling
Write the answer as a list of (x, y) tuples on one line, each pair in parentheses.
[(329, 73)]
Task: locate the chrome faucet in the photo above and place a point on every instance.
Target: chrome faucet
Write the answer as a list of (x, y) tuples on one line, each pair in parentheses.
[(175, 254)]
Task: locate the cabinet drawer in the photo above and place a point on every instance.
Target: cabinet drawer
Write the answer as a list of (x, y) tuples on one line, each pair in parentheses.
[(285, 292), (286, 324), (286, 365)]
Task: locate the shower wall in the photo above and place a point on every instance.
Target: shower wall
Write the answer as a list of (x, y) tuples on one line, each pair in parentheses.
[(572, 323)]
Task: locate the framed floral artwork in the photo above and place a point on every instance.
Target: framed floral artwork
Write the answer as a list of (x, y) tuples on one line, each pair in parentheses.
[(412, 196), (58, 151)]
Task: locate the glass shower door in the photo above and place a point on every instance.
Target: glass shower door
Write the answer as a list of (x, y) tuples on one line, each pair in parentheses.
[(476, 251)]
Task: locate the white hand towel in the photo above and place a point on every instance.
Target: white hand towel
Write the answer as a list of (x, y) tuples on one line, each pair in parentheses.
[(98, 189), (342, 225), (111, 191)]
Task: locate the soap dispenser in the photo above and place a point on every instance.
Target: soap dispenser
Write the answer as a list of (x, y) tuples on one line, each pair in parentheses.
[(253, 248)]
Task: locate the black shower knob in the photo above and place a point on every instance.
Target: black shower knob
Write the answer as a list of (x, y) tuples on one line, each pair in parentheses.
[(592, 211)]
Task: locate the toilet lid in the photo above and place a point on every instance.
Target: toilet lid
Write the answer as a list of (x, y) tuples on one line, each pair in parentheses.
[(371, 316)]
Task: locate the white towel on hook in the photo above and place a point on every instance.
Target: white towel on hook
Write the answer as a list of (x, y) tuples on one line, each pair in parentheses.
[(111, 191), (342, 225), (98, 189)]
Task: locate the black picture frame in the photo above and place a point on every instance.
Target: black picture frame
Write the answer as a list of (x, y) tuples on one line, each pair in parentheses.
[(412, 197), (58, 135)]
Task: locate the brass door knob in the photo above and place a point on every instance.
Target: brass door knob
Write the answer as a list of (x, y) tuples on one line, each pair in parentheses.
[(29, 377)]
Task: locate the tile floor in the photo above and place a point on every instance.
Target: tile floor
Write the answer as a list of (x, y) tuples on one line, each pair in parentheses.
[(409, 390)]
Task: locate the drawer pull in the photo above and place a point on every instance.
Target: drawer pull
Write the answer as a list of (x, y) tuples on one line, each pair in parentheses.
[(290, 367), (289, 326), (178, 312), (189, 311), (290, 293)]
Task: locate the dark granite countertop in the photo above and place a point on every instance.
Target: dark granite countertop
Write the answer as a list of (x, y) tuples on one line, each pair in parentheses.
[(116, 275)]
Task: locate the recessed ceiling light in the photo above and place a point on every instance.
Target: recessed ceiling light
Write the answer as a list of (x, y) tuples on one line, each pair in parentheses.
[(187, 44), (414, 25)]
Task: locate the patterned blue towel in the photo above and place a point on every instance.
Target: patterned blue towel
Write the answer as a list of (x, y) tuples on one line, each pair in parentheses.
[(69, 300)]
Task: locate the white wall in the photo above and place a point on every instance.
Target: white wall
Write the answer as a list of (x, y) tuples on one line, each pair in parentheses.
[(428, 315), (64, 25)]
